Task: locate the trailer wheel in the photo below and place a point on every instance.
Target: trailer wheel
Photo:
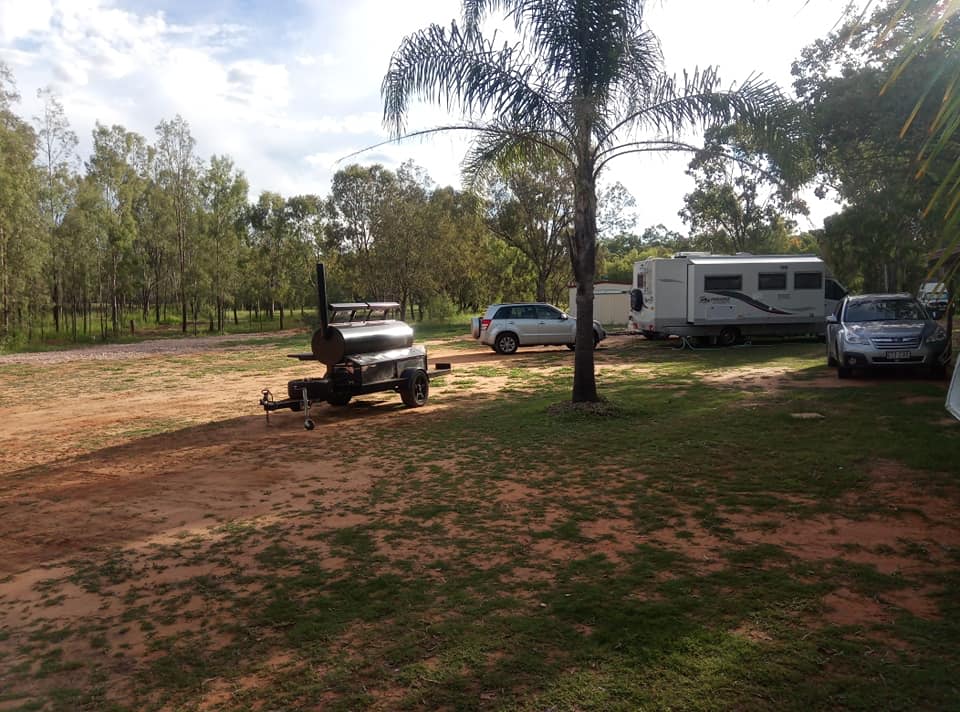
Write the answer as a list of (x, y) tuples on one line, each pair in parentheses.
[(339, 398), (729, 335), (506, 343), (415, 388), (308, 424)]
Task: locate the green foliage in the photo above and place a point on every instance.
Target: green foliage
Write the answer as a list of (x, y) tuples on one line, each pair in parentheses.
[(531, 209), (742, 201), (22, 247), (863, 151)]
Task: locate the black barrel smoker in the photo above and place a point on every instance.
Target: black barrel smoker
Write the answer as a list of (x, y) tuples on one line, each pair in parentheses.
[(365, 351)]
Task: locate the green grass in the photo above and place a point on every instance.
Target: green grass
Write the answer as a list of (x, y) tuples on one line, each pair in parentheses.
[(506, 557)]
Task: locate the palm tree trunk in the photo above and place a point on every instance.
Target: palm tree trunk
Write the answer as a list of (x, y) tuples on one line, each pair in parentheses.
[(583, 255)]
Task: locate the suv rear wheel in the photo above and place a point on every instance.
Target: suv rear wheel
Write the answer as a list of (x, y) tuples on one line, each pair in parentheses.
[(506, 343)]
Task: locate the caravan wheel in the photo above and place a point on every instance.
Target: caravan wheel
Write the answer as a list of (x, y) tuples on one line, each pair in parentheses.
[(729, 335)]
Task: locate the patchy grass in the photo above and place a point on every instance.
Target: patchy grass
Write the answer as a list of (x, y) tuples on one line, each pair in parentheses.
[(696, 548)]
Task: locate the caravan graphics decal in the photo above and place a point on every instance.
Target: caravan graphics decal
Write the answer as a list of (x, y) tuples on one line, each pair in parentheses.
[(748, 300)]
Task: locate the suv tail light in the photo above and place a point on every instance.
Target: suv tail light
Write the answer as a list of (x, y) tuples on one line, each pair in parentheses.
[(484, 324)]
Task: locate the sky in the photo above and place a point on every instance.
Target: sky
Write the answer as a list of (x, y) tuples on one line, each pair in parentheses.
[(290, 88)]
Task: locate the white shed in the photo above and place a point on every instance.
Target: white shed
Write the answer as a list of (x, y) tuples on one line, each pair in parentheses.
[(611, 302)]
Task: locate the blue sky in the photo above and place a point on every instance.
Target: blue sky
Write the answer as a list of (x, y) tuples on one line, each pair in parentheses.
[(289, 87)]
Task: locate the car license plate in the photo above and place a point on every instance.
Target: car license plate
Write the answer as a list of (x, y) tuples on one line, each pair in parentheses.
[(900, 355)]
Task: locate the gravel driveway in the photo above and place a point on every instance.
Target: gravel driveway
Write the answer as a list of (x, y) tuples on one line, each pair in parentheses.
[(142, 349)]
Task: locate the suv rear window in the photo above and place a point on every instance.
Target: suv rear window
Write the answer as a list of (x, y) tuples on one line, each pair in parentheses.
[(545, 312), (519, 311)]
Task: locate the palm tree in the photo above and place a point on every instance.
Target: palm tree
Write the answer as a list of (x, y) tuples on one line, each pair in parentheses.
[(583, 80)]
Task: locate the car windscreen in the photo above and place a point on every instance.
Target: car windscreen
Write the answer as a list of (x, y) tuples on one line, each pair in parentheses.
[(884, 310)]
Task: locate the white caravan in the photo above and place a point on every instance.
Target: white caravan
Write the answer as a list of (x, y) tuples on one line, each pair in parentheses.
[(727, 297)]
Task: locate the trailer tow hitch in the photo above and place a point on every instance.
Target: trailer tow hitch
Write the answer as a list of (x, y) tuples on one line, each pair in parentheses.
[(266, 398)]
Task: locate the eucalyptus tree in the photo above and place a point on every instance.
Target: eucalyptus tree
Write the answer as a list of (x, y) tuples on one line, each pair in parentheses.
[(273, 236), (178, 170), (739, 203), (306, 215), (531, 209), (81, 235), (20, 247), (118, 168), (223, 196), (57, 160), (866, 154), (407, 245), (583, 81), (354, 210)]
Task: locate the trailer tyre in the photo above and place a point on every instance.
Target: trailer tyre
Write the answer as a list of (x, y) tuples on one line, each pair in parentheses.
[(415, 388), (729, 335), (308, 424), (506, 343), (339, 398)]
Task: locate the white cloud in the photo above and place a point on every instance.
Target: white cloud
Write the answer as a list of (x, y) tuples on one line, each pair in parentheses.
[(317, 60), (253, 83), (20, 18), (289, 97)]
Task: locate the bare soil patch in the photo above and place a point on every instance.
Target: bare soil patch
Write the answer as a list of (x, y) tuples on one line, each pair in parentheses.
[(85, 476)]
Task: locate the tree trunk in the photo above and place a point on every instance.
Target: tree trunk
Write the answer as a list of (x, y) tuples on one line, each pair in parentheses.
[(583, 256), (281, 316), (56, 302), (114, 317), (4, 296)]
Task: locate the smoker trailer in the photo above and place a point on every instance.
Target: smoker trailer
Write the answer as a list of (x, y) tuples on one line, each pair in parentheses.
[(364, 352)]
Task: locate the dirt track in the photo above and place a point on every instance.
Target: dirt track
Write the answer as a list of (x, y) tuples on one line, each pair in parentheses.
[(62, 492)]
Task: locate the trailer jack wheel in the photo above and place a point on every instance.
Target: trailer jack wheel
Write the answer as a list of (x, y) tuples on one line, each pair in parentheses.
[(305, 403)]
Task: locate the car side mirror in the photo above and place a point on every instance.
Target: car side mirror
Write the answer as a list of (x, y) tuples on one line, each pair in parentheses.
[(832, 319), (564, 316)]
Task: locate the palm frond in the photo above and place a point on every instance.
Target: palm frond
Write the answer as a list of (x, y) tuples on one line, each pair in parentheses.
[(498, 145), (463, 70), (672, 107)]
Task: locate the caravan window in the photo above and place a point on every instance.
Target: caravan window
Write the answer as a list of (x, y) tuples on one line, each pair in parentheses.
[(639, 280), (726, 281), (808, 280), (770, 281)]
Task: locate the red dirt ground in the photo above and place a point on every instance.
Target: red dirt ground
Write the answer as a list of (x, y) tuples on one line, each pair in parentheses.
[(63, 495)]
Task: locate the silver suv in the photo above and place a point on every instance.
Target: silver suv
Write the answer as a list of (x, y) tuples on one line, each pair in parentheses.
[(885, 330), (506, 327)]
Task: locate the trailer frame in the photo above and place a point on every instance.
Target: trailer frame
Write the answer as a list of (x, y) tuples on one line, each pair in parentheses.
[(401, 370)]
